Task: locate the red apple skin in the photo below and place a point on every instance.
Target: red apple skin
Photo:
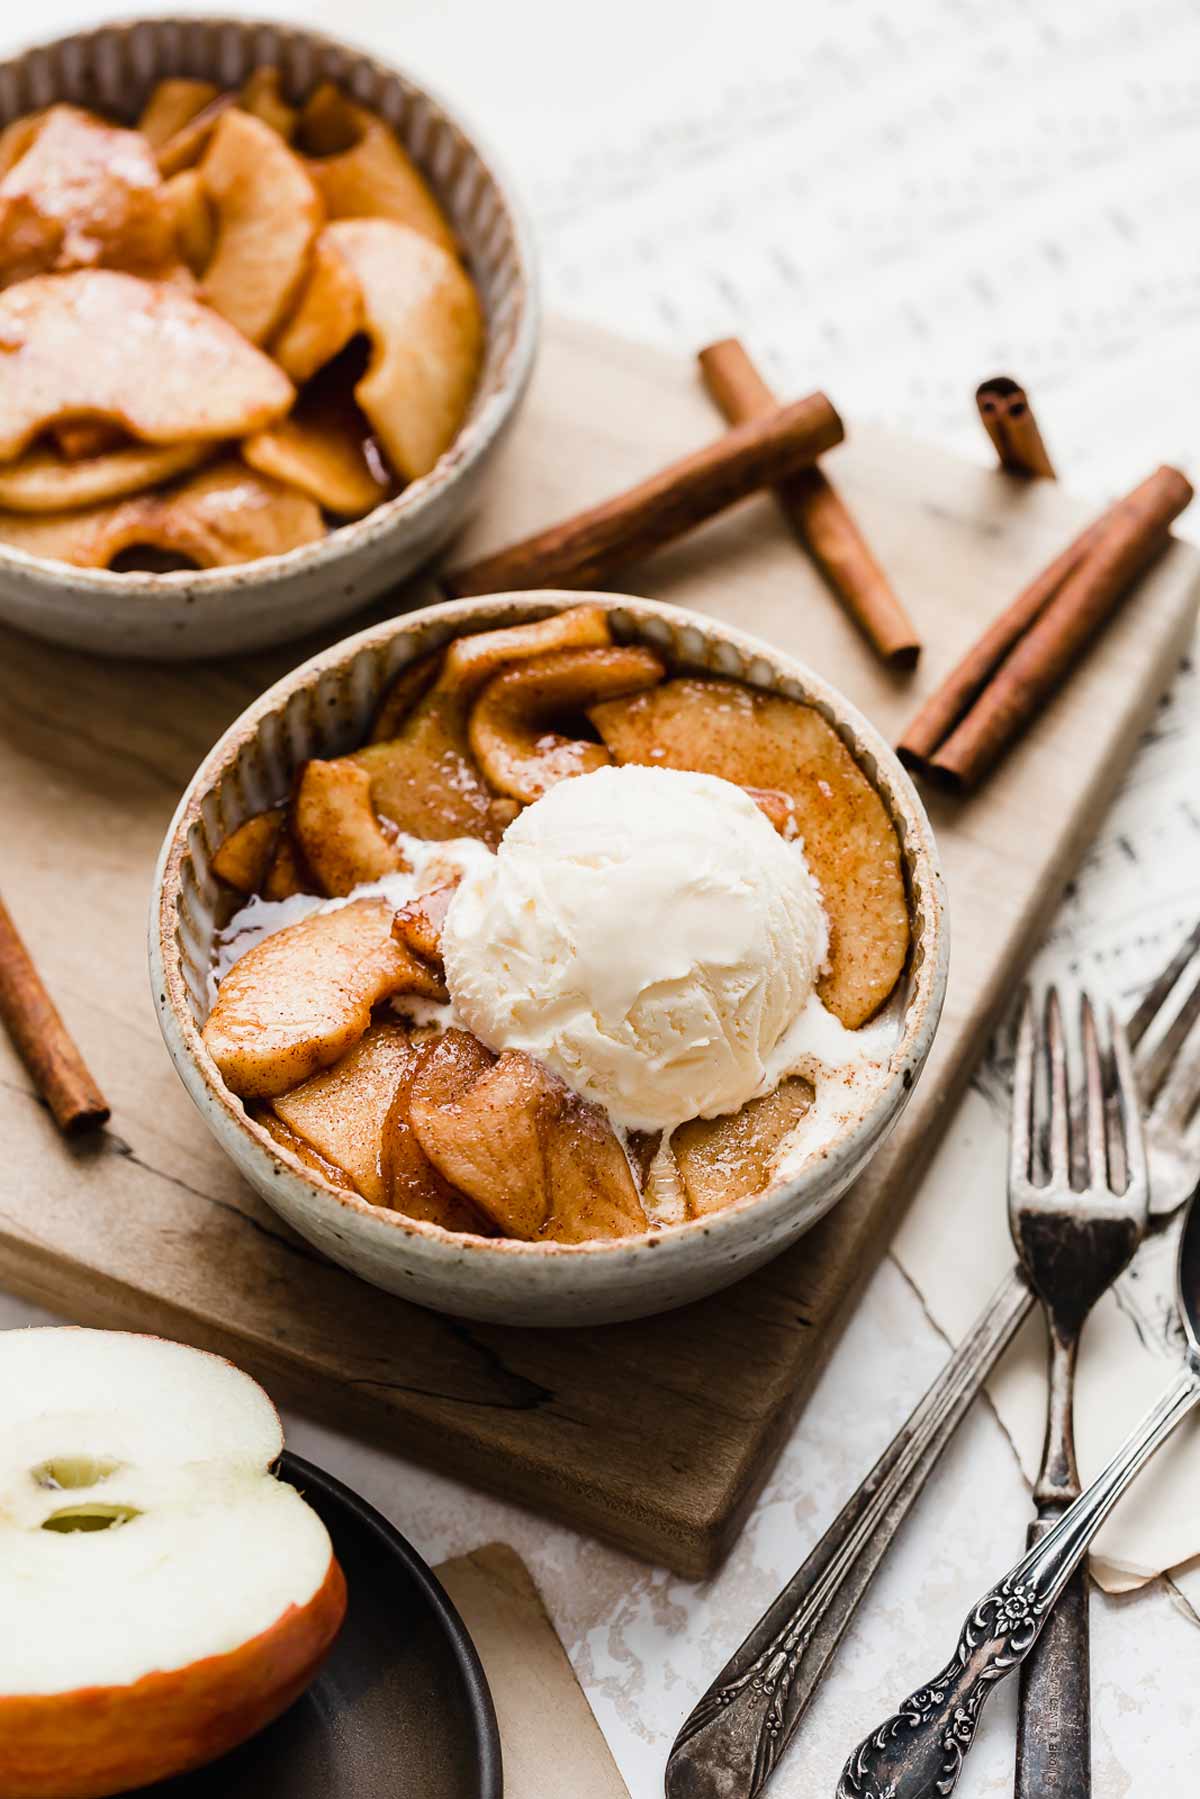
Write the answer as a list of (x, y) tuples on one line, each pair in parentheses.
[(96, 1741)]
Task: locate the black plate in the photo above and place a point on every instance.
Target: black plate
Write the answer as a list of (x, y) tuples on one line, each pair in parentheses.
[(401, 1709)]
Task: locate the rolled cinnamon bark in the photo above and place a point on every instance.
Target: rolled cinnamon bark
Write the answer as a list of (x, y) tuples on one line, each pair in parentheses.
[(817, 514), (966, 681), (584, 550), (42, 1040), (1134, 532), (1009, 421)]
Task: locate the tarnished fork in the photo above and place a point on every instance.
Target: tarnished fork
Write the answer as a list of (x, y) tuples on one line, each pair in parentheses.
[(1164, 1035), (1075, 1229)]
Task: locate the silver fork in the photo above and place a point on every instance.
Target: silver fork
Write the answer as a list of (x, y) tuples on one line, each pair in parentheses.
[(1074, 1236), (919, 1752), (732, 1740)]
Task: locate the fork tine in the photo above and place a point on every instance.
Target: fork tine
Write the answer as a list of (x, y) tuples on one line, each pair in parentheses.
[(1056, 1062), (1156, 995), (1093, 1097), (1020, 1142), (1137, 1180), (1155, 1065)]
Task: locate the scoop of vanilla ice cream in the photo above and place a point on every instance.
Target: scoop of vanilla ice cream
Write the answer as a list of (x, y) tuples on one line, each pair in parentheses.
[(645, 933)]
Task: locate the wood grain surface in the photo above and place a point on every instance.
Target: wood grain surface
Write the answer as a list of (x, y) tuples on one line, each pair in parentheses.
[(654, 1435)]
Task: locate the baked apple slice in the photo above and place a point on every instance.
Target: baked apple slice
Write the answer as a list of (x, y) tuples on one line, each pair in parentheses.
[(418, 925), (423, 318), (225, 515), (303, 996), (411, 1183), (325, 448), (723, 1159), (262, 95), (186, 203), (172, 370), (425, 779), (174, 103), (536, 1158), (765, 741), (326, 315), (245, 856), (44, 480), (268, 214), (362, 172), (340, 1112), (511, 726), (165, 1596), (336, 829), (288, 873), (303, 1152), (85, 193)]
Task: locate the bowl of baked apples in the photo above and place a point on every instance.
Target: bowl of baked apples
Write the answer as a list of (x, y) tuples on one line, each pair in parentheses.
[(266, 311), (550, 958)]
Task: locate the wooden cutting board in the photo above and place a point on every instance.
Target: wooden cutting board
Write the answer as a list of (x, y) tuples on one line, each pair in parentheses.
[(655, 1435)]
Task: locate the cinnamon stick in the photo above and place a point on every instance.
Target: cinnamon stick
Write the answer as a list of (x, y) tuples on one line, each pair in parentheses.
[(1127, 540), (948, 703), (584, 550), (817, 514), (1009, 421), (42, 1040)]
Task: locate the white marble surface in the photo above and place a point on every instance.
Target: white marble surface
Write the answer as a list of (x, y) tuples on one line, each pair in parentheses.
[(890, 202)]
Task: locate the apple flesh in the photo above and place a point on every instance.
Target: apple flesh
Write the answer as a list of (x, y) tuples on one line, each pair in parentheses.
[(165, 1597)]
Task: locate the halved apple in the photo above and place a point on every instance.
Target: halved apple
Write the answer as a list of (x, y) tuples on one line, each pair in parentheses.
[(173, 371), (422, 316), (85, 193), (341, 1111), (303, 996), (357, 162), (336, 829), (511, 726), (268, 214), (535, 1157), (165, 1596), (227, 514), (246, 854), (43, 480), (763, 740), (723, 1159)]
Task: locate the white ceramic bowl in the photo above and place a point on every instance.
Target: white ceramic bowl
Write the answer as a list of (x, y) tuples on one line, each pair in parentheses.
[(324, 708), (215, 612)]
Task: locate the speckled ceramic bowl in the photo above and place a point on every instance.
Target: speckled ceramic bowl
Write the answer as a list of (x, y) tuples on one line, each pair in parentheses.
[(324, 709), (214, 612)]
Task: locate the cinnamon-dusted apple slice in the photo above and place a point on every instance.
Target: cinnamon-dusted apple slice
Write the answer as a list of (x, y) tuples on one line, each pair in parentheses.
[(172, 370), (511, 726), (324, 447), (303, 996), (401, 699), (16, 138), (340, 1112), (43, 480), (85, 193), (411, 1183), (780, 808), (419, 923), (423, 318), (288, 873), (723, 1159), (262, 94), (326, 315), (763, 740), (336, 828), (538, 1159), (362, 172), (174, 103), (303, 1152), (225, 515), (426, 780), (165, 1596), (243, 859), (185, 201), (268, 214)]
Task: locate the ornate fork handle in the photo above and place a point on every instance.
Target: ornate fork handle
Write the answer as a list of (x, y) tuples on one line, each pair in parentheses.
[(918, 1753), (732, 1740)]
